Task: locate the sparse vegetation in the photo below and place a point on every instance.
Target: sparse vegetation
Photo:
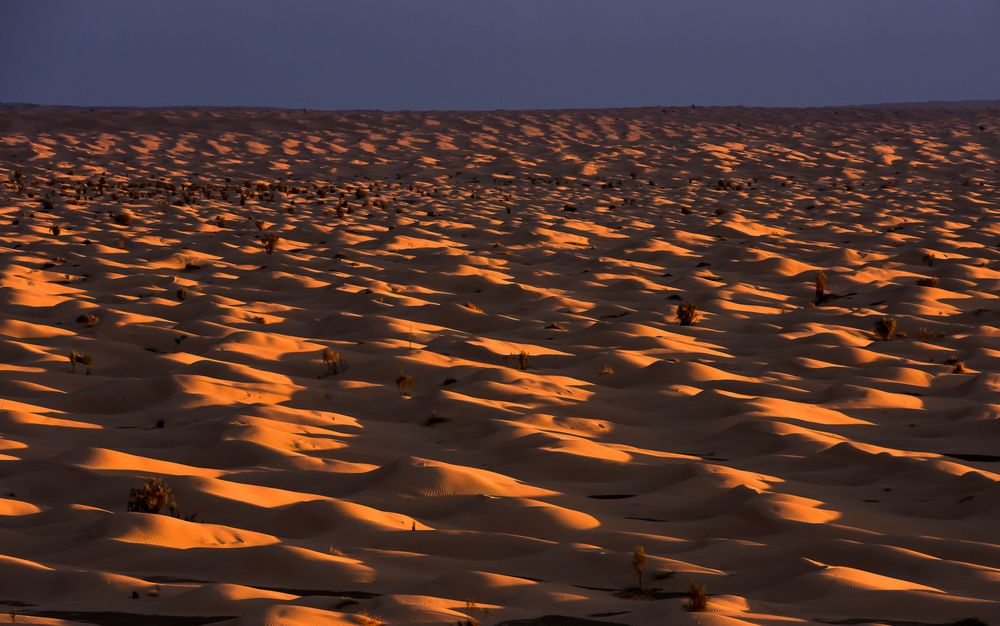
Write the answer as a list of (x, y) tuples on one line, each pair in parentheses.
[(182, 293), (687, 314), (83, 359), (269, 241), (473, 612), (607, 370), (925, 334), (932, 281), (885, 327), (122, 218), (639, 563), (88, 321), (334, 363), (820, 287), (697, 598), (403, 384), (521, 359), (472, 307), (153, 496)]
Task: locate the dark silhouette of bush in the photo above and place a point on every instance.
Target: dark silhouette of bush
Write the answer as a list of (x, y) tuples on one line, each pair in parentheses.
[(687, 314), (153, 496), (885, 328), (697, 598)]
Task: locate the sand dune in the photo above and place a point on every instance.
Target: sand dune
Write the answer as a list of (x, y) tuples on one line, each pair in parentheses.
[(507, 405)]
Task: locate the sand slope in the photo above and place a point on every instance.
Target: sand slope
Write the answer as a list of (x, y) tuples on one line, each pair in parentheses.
[(776, 451)]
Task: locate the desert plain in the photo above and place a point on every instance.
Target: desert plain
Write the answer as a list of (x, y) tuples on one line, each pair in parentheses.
[(426, 368)]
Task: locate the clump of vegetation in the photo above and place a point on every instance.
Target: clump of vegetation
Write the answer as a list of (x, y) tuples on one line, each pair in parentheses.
[(83, 359), (152, 497), (607, 370), (820, 286), (687, 314), (220, 221), (697, 598), (403, 384), (182, 293), (55, 230), (959, 368), (122, 218), (472, 307), (822, 295), (885, 328), (334, 363), (925, 334), (932, 281), (521, 358), (269, 242), (929, 259), (639, 563), (88, 321)]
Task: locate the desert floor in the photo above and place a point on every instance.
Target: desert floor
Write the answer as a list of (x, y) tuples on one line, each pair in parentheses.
[(776, 451)]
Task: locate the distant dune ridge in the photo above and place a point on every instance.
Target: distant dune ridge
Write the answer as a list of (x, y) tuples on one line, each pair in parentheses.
[(713, 365)]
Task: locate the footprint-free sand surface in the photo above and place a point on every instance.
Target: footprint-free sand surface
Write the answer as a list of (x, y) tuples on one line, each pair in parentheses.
[(515, 407)]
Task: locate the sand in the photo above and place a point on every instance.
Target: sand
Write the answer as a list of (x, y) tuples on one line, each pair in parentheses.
[(776, 451)]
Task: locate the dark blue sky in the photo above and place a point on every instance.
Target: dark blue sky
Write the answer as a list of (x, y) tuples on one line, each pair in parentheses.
[(474, 54)]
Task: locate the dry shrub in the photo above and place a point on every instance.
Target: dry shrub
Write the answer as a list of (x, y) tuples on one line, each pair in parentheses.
[(885, 328), (687, 314), (269, 241), (697, 598), (152, 497)]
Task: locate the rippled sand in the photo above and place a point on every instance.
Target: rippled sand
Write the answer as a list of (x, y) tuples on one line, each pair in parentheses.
[(776, 451)]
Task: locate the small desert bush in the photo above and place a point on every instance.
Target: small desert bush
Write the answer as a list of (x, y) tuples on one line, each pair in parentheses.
[(820, 285), (924, 334), (607, 370), (182, 293), (403, 384), (83, 359), (152, 497), (122, 218), (885, 328), (687, 314), (88, 321), (521, 359), (334, 363), (472, 307), (639, 563), (822, 295), (932, 281), (959, 368), (697, 598), (269, 242), (55, 230)]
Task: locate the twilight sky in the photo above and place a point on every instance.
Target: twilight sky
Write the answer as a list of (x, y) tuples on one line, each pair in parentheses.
[(474, 54)]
